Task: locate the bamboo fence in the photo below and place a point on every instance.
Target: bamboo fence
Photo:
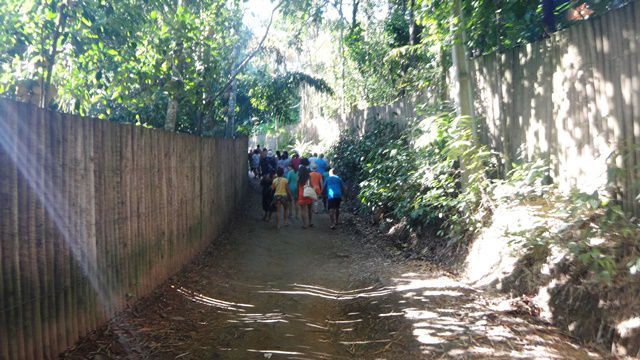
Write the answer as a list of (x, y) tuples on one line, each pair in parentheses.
[(94, 215), (573, 100)]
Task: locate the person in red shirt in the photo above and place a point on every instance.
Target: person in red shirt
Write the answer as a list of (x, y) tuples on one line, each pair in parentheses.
[(295, 161)]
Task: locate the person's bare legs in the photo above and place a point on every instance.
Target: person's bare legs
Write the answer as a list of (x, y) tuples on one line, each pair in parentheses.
[(333, 218), (310, 211), (285, 220), (292, 203), (305, 219)]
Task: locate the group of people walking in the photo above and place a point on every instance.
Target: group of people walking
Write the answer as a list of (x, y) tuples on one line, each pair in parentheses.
[(296, 187)]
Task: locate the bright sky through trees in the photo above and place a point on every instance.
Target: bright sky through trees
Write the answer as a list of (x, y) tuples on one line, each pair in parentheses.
[(172, 64), (256, 15)]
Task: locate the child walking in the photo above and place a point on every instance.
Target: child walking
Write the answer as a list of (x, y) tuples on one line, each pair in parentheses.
[(267, 196), (304, 202), (315, 179), (282, 194)]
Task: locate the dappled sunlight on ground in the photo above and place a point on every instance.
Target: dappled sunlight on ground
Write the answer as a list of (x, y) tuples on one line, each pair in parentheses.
[(201, 299), (315, 294)]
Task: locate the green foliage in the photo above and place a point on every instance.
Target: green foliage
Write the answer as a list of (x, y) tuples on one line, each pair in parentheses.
[(592, 228), (122, 60), (378, 60), (276, 98), (439, 183), (365, 52), (350, 153), (595, 217), (434, 175), (600, 264), (497, 25), (528, 173)]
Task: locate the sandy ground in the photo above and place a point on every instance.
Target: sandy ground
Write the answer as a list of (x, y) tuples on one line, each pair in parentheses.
[(261, 293)]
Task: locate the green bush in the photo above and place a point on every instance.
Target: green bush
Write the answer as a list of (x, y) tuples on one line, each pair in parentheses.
[(350, 152), (432, 174), (592, 228)]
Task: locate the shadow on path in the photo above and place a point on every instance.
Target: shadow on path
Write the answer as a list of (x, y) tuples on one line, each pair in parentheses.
[(316, 294)]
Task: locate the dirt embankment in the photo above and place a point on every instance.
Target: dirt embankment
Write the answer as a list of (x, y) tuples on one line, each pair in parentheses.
[(512, 256), (545, 278)]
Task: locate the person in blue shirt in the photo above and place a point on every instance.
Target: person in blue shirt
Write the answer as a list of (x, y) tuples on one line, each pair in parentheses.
[(313, 158), (335, 189), (322, 164), (325, 176), (292, 178)]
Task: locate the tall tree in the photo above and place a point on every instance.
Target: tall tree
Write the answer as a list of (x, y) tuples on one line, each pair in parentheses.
[(59, 37), (460, 56)]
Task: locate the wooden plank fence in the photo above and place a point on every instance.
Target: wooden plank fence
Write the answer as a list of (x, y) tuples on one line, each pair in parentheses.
[(94, 215)]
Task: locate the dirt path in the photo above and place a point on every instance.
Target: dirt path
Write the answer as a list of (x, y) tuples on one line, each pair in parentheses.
[(316, 294)]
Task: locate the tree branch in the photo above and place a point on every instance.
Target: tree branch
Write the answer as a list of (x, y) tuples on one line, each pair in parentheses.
[(354, 14), (60, 29), (250, 55)]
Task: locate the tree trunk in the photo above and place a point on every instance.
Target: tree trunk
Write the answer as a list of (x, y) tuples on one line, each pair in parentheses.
[(231, 111), (277, 134), (354, 14), (198, 121), (172, 85), (172, 114), (233, 90), (464, 88), (464, 95), (443, 94), (250, 56), (199, 129), (51, 57), (342, 76), (412, 23)]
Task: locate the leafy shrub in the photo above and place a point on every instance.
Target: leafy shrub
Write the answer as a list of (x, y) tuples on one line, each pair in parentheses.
[(595, 230), (350, 152), (595, 217), (432, 174)]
